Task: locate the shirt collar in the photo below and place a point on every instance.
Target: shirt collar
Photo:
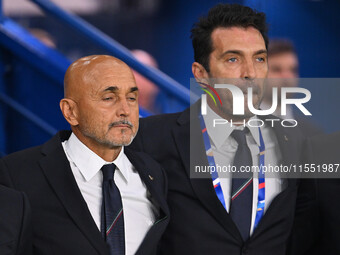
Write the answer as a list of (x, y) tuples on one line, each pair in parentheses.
[(88, 162), (220, 133)]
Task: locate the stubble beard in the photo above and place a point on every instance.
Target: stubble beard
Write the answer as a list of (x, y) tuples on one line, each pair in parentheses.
[(106, 141)]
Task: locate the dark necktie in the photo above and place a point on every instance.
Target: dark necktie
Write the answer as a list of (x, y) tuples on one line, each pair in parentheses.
[(242, 188), (112, 217)]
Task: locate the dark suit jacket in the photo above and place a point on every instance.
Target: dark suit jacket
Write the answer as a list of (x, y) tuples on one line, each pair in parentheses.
[(15, 223), (307, 126), (318, 224), (61, 219), (199, 223)]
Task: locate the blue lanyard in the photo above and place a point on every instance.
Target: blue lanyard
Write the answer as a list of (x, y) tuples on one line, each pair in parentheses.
[(216, 179)]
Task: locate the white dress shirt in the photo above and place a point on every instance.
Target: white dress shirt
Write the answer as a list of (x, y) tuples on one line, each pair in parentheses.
[(224, 148), (139, 212)]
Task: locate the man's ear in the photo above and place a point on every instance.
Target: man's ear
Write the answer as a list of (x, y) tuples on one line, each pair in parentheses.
[(200, 74), (199, 71), (70, 111)]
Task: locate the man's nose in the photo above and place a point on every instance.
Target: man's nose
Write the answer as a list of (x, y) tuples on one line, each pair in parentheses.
[(124, 109), (248, 71)]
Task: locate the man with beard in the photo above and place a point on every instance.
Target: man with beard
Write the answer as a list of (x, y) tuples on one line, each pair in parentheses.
[(211, 214), (89, 194)]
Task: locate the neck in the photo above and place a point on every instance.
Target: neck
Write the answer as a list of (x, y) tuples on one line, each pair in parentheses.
[(267, 101), (267, 104), (106, 152)]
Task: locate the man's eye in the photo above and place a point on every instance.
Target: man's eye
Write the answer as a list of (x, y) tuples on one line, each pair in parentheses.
[(132, 98), (107, 98), (232, 60), (261, 59)]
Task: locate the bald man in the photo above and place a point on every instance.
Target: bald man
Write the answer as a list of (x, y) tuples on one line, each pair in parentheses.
[(90, 194)]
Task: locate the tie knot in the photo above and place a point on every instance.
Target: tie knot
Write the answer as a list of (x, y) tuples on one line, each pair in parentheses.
[(240, 136), (108, 171)]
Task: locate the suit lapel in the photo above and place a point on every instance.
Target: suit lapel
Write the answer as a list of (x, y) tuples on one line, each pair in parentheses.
[(146, 174), (187, 129), (290, 146), (287, 144), (290, 155), (58, 172)]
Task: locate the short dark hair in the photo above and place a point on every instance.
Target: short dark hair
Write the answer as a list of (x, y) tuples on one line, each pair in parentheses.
[(279, 46), (224, 15)]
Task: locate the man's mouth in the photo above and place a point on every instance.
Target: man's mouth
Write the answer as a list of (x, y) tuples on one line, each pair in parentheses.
[(254, 87)]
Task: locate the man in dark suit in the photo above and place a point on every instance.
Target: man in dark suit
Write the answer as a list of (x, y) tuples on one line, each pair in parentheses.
[(230, 42), (89, 194), (15, 223)]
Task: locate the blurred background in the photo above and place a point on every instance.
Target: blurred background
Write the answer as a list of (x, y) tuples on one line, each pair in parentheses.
[(40, 38)]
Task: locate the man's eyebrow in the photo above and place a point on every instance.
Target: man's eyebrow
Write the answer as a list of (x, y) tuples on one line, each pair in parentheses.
[(133, 89), (238, 52), (111, 88), (115, 88), (260, 52)]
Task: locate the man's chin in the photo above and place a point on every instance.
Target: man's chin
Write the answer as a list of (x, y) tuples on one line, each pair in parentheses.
[(124, 141)]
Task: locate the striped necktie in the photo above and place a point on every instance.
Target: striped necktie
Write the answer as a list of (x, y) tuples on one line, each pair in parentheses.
[(112, 217), (242, 188)]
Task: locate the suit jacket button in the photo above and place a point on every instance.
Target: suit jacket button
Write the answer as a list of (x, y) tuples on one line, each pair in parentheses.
[(244, 250)]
